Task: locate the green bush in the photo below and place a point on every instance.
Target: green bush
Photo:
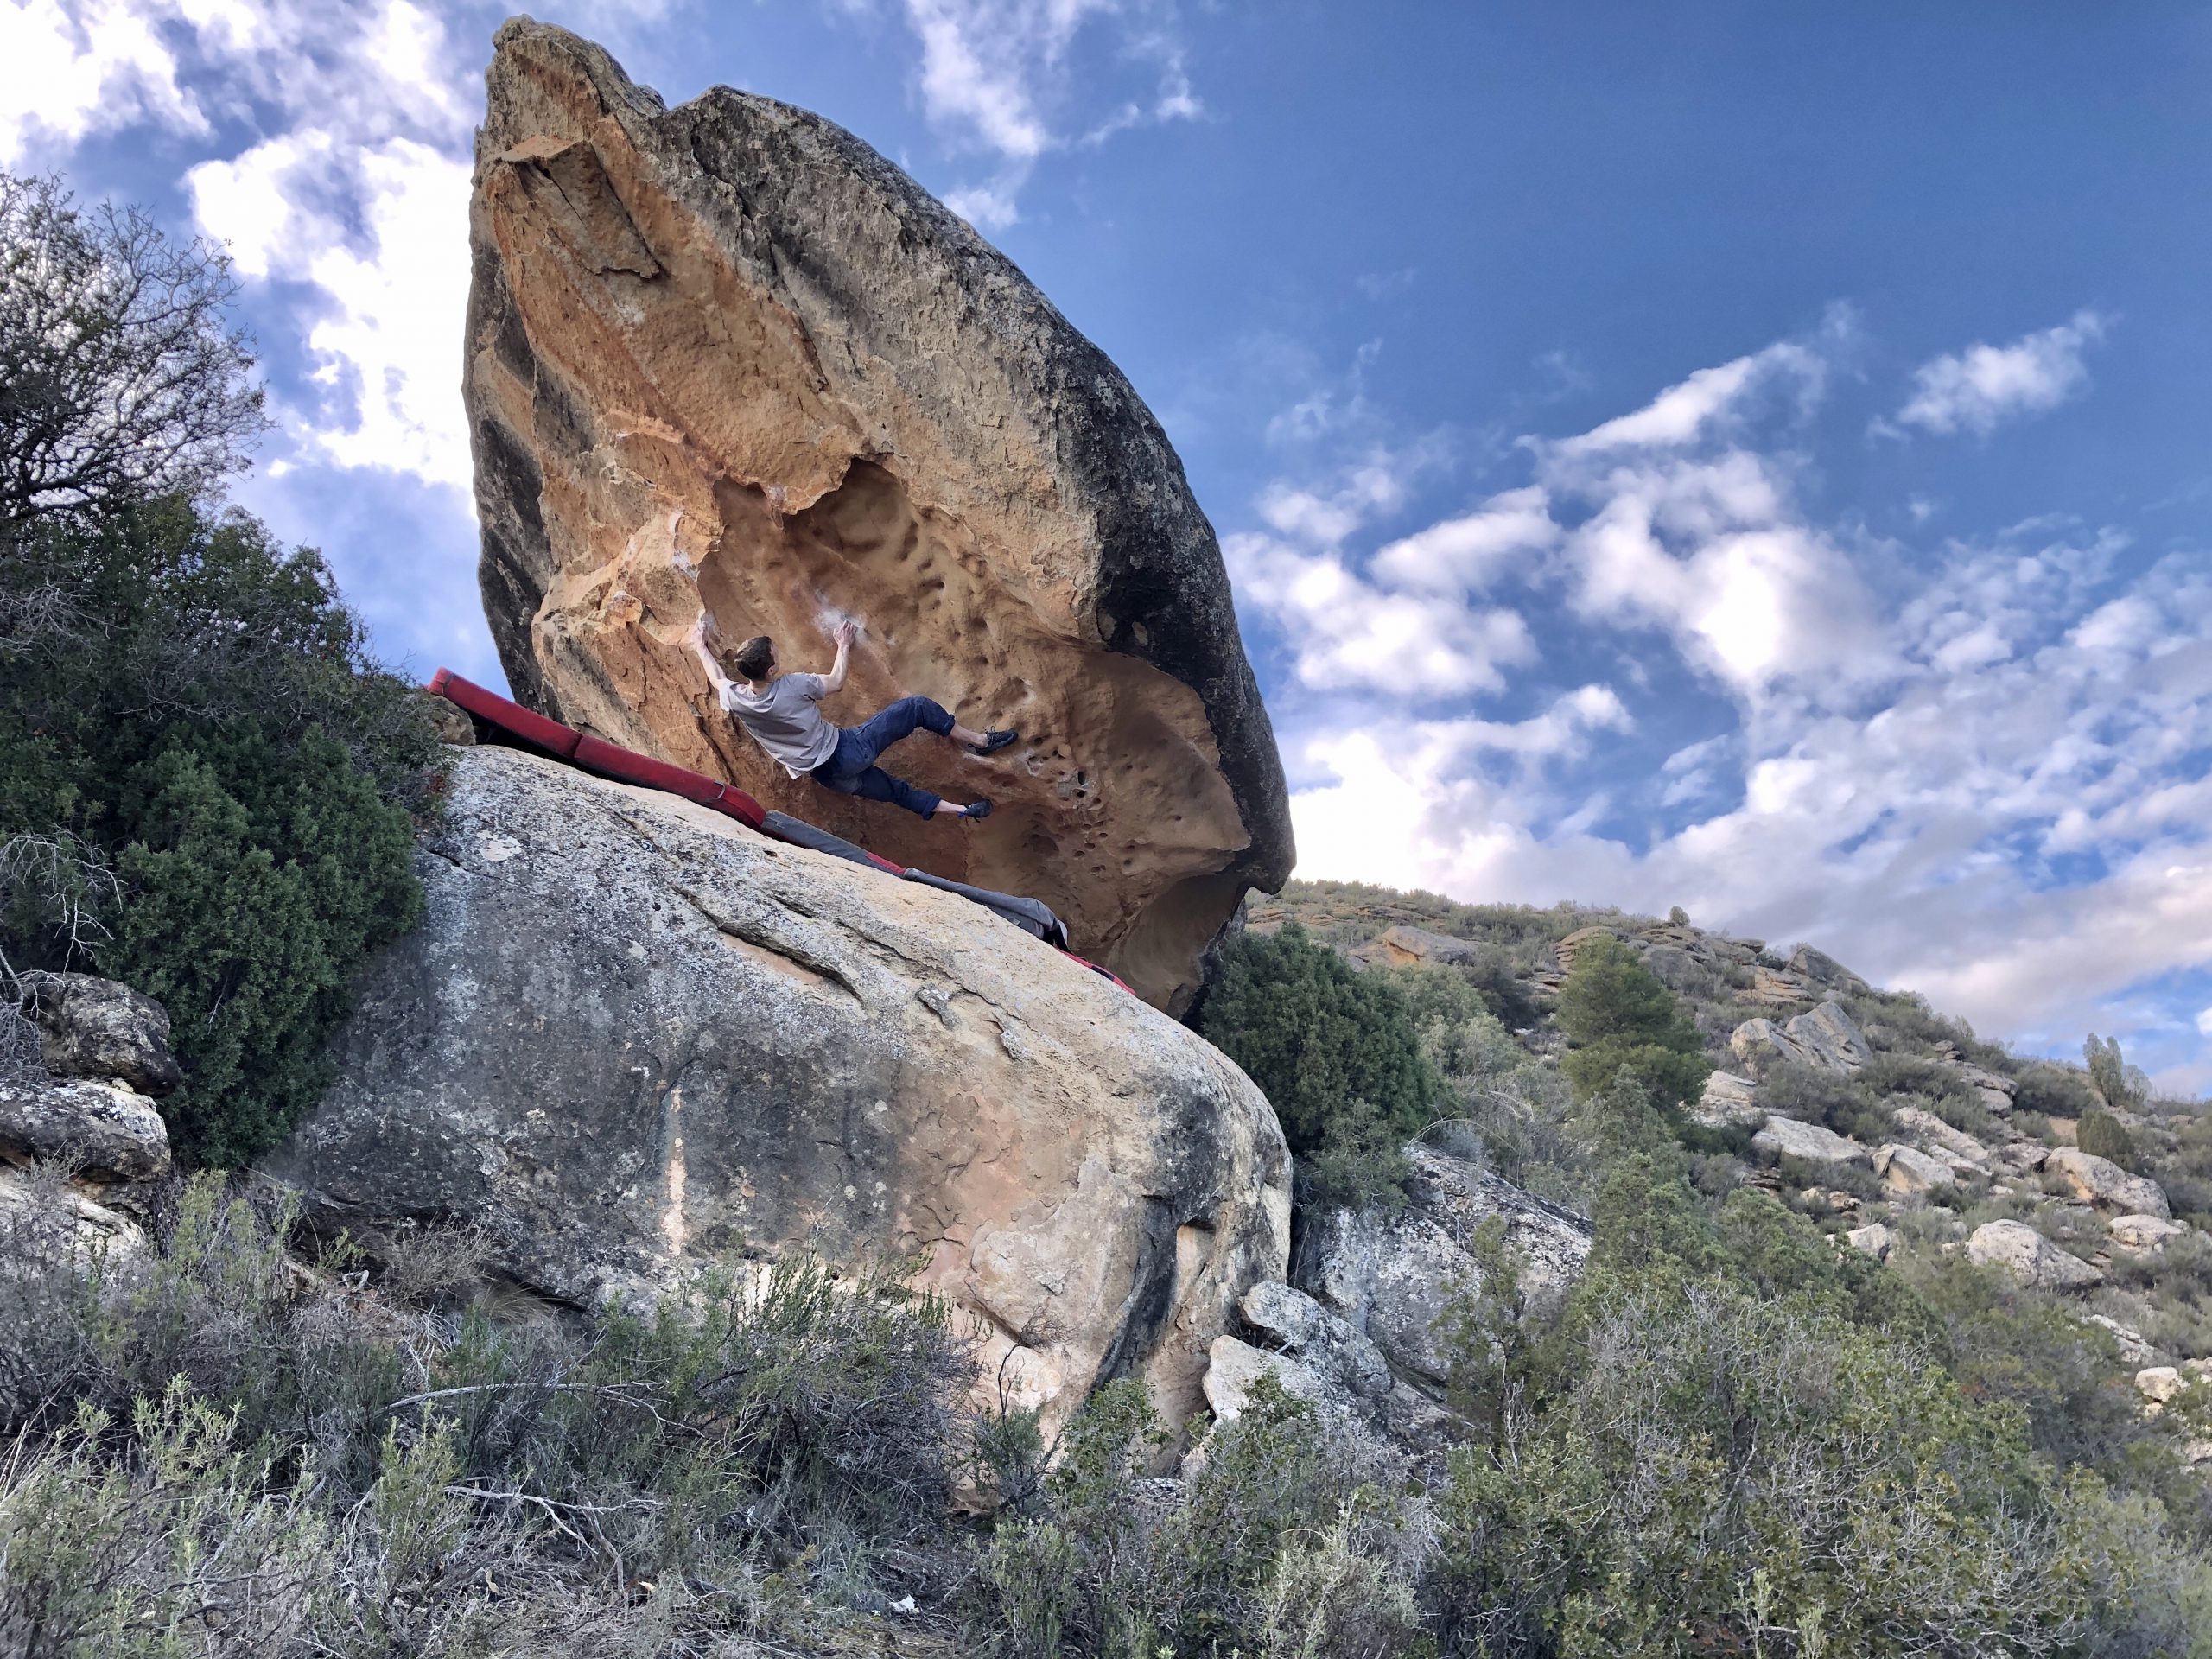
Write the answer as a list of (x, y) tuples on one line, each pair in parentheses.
[(2102, 1135), (1334, 1050), (197, 1444), (208, 727), (2053, 1092), (1734, 1474), (1815, 1095), (1282, 1544), (1619, 1018)]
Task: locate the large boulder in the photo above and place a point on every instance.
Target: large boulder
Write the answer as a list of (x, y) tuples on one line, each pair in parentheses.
[(2105, 1184), (1760, 1046), (1954, 1146), (1907, 1175), (2145, 1235), (2018, 1250), (1318, 1357), (1829, 1037), (1822, 968), (1825, 1038), (1727, 1101), (1785, 1137), (1393, 1277), (629, 1034), (727, 354)]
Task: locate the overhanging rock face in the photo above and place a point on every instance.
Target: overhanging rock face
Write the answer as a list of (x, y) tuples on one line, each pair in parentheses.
[(727, 354)]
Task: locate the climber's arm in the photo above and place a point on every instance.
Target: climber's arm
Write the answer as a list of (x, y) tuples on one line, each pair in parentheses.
[(696, 638), (833, 680)]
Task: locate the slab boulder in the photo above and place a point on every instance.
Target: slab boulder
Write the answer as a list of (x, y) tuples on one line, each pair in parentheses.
[(2100, 1181), (630, 1036), (725, 355)]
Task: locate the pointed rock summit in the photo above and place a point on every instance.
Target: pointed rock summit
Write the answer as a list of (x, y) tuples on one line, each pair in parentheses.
[(727, 355)]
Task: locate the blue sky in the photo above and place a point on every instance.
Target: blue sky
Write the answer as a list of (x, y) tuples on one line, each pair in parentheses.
[(1746, 457)]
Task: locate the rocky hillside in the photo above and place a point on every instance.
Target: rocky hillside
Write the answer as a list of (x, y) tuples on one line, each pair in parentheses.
[(1895, 1128)]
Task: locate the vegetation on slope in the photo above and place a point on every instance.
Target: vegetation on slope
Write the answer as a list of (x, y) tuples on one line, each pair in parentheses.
[(205, 783)]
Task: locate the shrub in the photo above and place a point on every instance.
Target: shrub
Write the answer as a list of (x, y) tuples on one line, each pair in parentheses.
[(1282, 1544), (450, 1486), (1815, 1095), (2101, 1133), (1517, 1109), (1334, 1050), (211, 732), (2053, 1092), (1751, 1469), (1618, 1019)]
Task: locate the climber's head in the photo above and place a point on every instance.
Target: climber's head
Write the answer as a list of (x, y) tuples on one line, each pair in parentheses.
[(756, 658)]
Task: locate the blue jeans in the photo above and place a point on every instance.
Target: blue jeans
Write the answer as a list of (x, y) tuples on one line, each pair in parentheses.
[(851, 768)]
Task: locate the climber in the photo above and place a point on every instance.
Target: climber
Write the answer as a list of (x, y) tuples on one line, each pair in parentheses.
[(781, 712)]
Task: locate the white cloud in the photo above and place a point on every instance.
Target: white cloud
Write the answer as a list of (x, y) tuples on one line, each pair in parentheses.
[(1707, 400), (67, 72), (1348, 633), (1466, 553), (351, 216), (1976, 390), (1688, 530), (993, 74), (357, 193)]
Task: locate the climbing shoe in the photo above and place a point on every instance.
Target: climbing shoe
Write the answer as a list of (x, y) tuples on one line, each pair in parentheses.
[(979, 808), (994, 741)]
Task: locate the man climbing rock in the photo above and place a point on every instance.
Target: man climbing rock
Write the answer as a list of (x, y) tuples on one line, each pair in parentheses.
[(783, 714)]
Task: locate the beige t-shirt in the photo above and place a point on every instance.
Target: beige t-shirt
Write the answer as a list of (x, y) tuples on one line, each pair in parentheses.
[(783, 720)]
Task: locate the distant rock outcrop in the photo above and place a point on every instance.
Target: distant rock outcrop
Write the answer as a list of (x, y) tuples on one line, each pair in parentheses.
[(727, 354), (1785, 1137), (1392, 1277), (1827, 1038), (629, 1034), (1401, 946), (2017, 1249), (2105, 1184)]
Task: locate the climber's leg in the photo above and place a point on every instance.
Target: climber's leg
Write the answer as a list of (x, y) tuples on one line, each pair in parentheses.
[(901, 719), (874, 784)]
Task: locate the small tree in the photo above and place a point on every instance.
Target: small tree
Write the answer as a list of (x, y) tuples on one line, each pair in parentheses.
[(1320, 1038), (121, 377), (214, 779), (2114, 1079), (1619, 1020), (2103, 1135)]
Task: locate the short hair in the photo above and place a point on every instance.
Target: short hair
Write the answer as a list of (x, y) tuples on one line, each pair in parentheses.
[(754, 657)]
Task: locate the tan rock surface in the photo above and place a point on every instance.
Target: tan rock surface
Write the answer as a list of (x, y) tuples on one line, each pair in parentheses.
[(2105, 1184), (629, 1036), (726, 353), (1908, 1173), (1931, 1132), (2027, 1256), (1785, 1137)]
